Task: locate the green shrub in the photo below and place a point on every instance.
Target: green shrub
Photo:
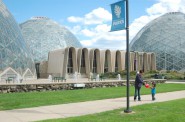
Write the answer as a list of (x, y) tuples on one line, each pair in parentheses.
[(147, 75)]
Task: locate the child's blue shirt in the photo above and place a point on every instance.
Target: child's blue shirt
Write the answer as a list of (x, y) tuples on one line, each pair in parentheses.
[(153, 90)]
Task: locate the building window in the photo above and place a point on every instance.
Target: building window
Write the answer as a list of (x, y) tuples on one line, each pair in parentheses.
[(82, 70), (70, 63), (116, 63), (106, 63), (94, 64)]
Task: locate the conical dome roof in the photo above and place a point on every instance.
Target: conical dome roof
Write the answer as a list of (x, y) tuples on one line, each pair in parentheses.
[(14, 52), (43, 35), (164, 36)]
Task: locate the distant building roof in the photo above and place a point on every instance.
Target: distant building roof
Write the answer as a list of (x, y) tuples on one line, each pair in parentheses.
[(164, 36)]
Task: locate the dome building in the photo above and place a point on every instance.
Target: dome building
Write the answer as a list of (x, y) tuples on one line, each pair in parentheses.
[(15, 57), (165, 36), (43, 35)]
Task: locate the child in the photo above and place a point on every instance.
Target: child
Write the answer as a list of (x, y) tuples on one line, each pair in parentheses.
[(153, 90)]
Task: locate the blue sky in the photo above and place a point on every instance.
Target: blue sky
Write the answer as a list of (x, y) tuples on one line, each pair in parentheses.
[(90, 20)]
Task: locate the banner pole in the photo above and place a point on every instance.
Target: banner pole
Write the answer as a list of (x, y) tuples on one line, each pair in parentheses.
[(127, 110)]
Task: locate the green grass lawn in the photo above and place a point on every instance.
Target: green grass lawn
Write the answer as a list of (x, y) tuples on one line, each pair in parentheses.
[(171, 111), (34, 99)]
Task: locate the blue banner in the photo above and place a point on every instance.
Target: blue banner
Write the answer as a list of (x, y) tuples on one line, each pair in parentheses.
[(118, 16)]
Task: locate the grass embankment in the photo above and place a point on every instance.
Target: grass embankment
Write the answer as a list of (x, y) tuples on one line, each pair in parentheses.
[(171, 111), (34, 99)]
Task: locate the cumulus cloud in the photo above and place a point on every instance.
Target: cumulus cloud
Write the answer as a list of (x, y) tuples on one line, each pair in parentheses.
[(164, 6), (86, 43), (99, 35), (156, 10), (88, 33), (106, 42), (94, 17), (102, 28), (74, 19)]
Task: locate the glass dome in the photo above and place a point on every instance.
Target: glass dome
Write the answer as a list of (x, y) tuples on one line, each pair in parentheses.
[(164, 36), (14, 52), (43, 35)]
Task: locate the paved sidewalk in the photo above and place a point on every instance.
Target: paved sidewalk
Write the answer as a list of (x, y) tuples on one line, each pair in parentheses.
[(81, 108)]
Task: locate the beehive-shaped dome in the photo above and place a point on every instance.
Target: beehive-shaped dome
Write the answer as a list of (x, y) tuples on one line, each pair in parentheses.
[(14, 52), (43, 35), (164, 36)]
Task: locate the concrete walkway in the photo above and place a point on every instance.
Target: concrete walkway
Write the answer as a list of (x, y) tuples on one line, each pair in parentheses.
[(81, 108)]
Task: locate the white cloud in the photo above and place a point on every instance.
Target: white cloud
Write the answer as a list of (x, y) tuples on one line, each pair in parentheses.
[(86, 43), (103, 39), (164, 6), (102, 28), (106, 40), (88, 33), (75, 19), (156, 10), (96, 16)]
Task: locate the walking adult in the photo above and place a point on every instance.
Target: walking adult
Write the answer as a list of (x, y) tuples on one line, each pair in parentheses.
[(138, 84)]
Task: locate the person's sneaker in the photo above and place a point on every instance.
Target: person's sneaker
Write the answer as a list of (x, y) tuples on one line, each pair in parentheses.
[(134, 99), (139, 100)]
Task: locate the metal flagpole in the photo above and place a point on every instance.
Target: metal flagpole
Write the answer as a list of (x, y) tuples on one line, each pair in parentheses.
[(119, 24), (127, 110)]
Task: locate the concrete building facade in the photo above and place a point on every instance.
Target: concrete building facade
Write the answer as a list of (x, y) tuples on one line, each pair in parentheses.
[(83, 61)]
